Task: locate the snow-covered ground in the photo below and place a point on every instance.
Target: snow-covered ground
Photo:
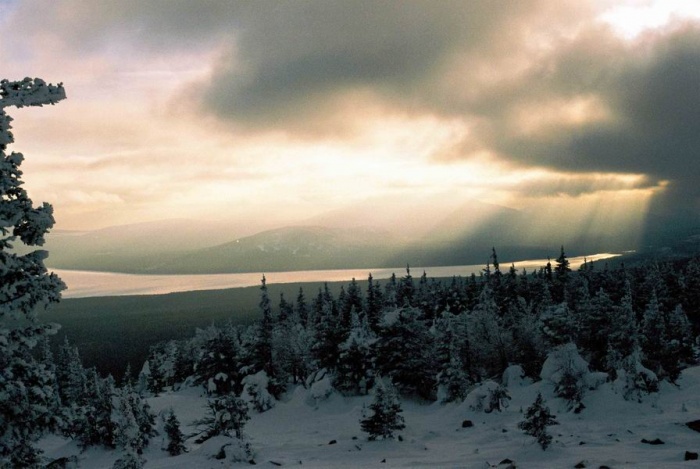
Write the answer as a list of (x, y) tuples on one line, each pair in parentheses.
[(299, 431)]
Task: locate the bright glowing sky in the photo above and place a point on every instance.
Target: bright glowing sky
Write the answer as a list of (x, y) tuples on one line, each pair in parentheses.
[(275, 111)]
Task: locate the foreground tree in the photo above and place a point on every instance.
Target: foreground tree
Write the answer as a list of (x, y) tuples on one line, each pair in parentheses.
[(176, 439), (386, 417), (537, 419), (26, 385)]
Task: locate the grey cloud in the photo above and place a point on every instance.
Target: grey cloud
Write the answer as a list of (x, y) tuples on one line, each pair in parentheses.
[(654, 95), (287, 62), (581, 184)]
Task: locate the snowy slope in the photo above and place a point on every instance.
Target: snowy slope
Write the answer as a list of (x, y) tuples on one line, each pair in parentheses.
[(298, 432)]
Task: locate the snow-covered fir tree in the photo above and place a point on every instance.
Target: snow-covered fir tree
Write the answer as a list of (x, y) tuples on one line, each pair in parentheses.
[(26, 385), (383, 418), (537, 418), (226, 415), (176, 439)]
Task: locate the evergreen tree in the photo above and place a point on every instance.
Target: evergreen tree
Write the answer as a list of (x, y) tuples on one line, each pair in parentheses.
[(374, 303), (285, 308), (26, 288), (126, 429), (451, 344), (176, 440), (262, 348), (489, 341), (391, 292), (537, 419), (329, 332), (302, 309), (404, 353), (562, 269), (354, 370), (156, 379), (133, 421), (679, 340), (557, 325), (653, 335), (386, 417), (70, 374), (219, 359), (405, 290), (623, 338), (129, 460), (226, 416)]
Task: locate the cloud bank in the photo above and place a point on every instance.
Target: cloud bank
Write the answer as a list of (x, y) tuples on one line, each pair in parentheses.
[(534, 85)]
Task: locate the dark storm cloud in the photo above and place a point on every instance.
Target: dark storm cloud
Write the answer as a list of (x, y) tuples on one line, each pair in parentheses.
[(651, 88), (289, 62), (652, 92)]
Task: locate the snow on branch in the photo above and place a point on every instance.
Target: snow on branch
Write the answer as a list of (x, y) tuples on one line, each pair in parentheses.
[(29, 92)]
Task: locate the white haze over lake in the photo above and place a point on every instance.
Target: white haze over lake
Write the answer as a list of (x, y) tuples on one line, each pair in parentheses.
[(86, 284)]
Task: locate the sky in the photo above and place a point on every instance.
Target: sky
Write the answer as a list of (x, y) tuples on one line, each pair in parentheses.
[(272, 112)]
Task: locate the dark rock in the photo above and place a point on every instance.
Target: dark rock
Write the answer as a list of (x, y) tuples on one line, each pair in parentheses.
[(504, 431), (694, 425), (506, 461), (655, 441), (690, 456), (222, 452), (383, 460), (332, 442), (252, 462), (275, 463), (354, 438), (467, 424), (400, 438), (603, 467), (63, 463), (581, 443), (580, 465)]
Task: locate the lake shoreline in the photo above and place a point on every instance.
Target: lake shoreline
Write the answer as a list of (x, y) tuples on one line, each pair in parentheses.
[(85, 284)]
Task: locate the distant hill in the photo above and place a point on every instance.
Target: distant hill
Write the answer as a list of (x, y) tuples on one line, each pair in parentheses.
[(378, 232), (292, 248)]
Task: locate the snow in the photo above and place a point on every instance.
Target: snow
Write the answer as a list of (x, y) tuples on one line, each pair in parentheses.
[(299, 430)]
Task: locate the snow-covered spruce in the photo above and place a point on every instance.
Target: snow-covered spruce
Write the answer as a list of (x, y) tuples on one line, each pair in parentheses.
[(28, 404), (537, 419), (171, 427), (383, 418)]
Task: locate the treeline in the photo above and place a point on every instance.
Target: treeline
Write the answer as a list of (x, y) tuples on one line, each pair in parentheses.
[(436, 339)]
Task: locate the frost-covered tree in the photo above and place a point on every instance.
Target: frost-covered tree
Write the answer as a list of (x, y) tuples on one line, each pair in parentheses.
[(226, 415), (134, 423), (452, 344), (176, 440), (489, 341), (26, 287), (261, 357), (354, 370), (70, 375), (404, 352), (219, 359), (129, 460), (567, 370), (537, 419), (385, 417)]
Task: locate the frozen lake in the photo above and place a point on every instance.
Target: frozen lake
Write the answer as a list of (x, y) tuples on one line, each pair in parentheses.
[(84, 283)]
